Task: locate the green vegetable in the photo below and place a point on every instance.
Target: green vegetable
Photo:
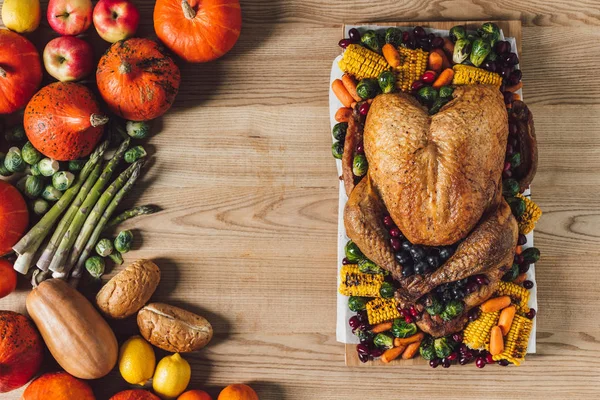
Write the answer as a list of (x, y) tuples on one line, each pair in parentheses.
[(105, 247), (34, 185), (62, 180), (442, 347), (515, 160), (339, 131), (134, 154), (387, 81), (363, 335), (511, 274), (436, 307), (95, 266), (367, 266), (387, 290), (531, 254), (356, 303), (383, 341), (16, 134), (510, 187), (76, 165), (359, 165), (493, 56), (437, 105), (40, 206), (372, 41), (393, 36), (462, 49), (489, 32), (427, 95), (402, 329), (3, 170), (30, 154), (480, 50), (446, 92), (353, 253), (367, 88), (452, 310), (48, 167), (116, 257), (50, 193), (131, 213), (35, 170), (458, 32), (426, 349), (471, 37), (13, 161), (517, 205), (137, 129), (337, 150), (124, 241)]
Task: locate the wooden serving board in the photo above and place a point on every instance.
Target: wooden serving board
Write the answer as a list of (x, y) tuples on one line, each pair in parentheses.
[(511, 28)]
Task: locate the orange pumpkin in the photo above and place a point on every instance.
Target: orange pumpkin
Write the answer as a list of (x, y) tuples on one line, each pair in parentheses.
[(58, 386), (14, 217), (63, 121), (238, 392), (8, 278), (21, 350), (135, 394), (198, 30), (195, 395), (137, 80), (20, 71)]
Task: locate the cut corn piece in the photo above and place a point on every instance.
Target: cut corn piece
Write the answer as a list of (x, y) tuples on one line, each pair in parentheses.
[(477, 333), (519, 296), (413, 64), (468, 75), (381, 310), (355, 283), (517, 340), (531, 215), (362, 62)]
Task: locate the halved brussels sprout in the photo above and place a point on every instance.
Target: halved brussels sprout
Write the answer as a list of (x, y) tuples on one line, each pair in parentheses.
[(357, 304), (337, 149), (104, 247), (462, 49), (62, 180), (48, 167), (134, 154), (427, 95), (490, 32), (50, 193), (138, 129), (76, 165), (3, 170), (445, 92), (40, 207), (353, 253)]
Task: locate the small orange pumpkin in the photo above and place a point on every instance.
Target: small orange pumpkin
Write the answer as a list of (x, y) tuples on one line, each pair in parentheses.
[(58, 386), (198, 30), (14, 216), (8, 278), (195, 395), (63, 121), (137, 80), (134, 394), (20, 71), (238, 392)]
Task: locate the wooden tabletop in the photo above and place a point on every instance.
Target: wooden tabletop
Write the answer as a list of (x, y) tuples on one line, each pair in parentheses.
[(244, 172)]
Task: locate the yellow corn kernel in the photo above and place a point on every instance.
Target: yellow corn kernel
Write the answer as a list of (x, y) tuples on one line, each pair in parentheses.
[(362, 63), (477, 333), (530, 217), (413, 64), (355, 283), (468, 75), (519, 296), (381, 310)]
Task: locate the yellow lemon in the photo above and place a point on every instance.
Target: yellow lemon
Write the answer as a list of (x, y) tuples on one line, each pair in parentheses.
[(21, 15), (136, 361), (172, 376)]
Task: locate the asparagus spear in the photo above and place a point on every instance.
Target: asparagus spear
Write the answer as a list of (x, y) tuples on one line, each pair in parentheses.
[(108, 212), (131, 213), (58, 262), (27, 247)]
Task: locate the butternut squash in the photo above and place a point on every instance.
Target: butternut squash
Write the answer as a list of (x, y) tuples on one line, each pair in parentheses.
[(77, 336)]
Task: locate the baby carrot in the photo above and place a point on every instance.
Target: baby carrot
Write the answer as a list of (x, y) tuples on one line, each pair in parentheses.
[(391, 55), (384, 326), (445, 62), (514, 88), (341, 93), (444, 79), (392, 354), (496, 341), (448, 47), (435, 62), (411, 350), (350, 85), (417, 337), (495, 304), (506, 318), (343, 114), (520, 278)]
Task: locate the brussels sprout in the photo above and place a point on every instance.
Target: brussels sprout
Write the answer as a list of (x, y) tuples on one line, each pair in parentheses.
[(35, 170), (383, 341), (511, 274), (367, 266), (104, 247), (437, 105), (353, 253), (393, 36), (387, 290), (339, 131), (34, 186), (359, 165), (372, 41), (426, 349), (3, 170), (137, 129), (515, 160), (116, 257), (50, 193), (442, 347), (510, 187), (95, 266), (458, 32), (452, 310), (48, 167), (427, 95), (446, 92), (387, 81), (124, 241), (40, 207), (480, 50), (16, 134), (337, 150), (493, 56), (30, 154), (62, 180), (531, 255), (435, 307), (489, 32), (517, 205), (134, 154), (462, 49), (76, 165), (367, 88), (357, 304), (402, 329), (363, 334), (13, 161)]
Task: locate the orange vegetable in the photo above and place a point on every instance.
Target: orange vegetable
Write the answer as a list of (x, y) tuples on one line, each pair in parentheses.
[(238, 392), (445, 62), (135, 394), (514, 88), (341, 93), (519, 249), (392, 354), (384, 326), (8, 278), (58, 386), (506, 318), (444, 79), (343, 114), (434, 62), (392, 56), (14, 217), (520, 278), (411, 350), (195, 395), (516, 97), (495, 304), (350, 85), (417, 337), (496, 341), (448, 48)]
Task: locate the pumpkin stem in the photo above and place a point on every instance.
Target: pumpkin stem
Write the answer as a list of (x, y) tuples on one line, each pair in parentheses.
[(188, 11), (98, 120), (125, 67), (2, 72)]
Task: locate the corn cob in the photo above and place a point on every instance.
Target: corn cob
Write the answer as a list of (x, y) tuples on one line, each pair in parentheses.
[(468, 75), (355, 283), (531, 215), (518, 295), (516, 341), (412, 65), (381, 310), (477, 333), (362, 62)]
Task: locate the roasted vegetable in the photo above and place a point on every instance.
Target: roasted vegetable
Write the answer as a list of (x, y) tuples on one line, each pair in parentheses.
[(452, 310), (468, 75), (362, 63), (355, 283), (511, 274), (517, 205), (477, 333), (371, 40), (363, 334), (442, 347), (137, 129), (437, 105), (40, 207), (367, 266), (426, 349), (510, 187), (50, 193), (515, 160), (458, 32), (124, 241), (95, 266), (479, 51), (489, 32), (76, 165), (367, 88), (427, 95), (414, 63), (339, 131), (516, 341), (382, 310), (134, 154), (393, 36), (383, 341), (517, 293), (337, 150), (353, 253), (35, 170), (387, 290), (531, 254), (462, 49), (62, 180), (403, 329), (34, 186), (530, 217), (3, 170), (357, 303), (445, 92), (435, 306), (116, 257), (359, 165), (30, 155), (387, 81), (105, 247), (13, 161), (48, 167)]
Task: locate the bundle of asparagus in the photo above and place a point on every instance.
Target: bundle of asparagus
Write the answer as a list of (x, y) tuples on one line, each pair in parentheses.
[(86, 209)]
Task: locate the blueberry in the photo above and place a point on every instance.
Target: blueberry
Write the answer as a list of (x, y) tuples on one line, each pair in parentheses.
[(406, 245), (403, 257), (433, 261), (417, 253), (446, 253), (407, 271), (420, 267)]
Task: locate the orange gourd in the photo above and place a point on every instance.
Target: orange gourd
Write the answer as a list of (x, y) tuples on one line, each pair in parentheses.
[(137, 80), (14, 217), (63, 121), (8, 278), (58, 386), (195, 395), (20, 71), (198, 30), (134, 394), (238, 392)]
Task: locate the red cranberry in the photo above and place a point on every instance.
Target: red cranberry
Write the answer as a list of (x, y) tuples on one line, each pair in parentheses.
[(354, 35), (452, 356), (468, 355), (503, 363), (528, 284), (531, 313), (506, 174), (360, 148), (416, 85), (428, 77), (362, 316), (413, 311), (489, 358), (354, 322), (388, 221), (521, 240), (363, 358), (510, 150), (364, 108), (457, 337), (408, 320), (395, 243), (471, 287), (462, 349), (506, 166), (519, 259), (480, 362), (482, 280), (363, 349), (345, 261), (405, 313), (433, 363), (474, 314), (463, 361), (419, 32), (437, 42), (446, 363), (376, 352), (395, 232), (344, 43), (523, 268)]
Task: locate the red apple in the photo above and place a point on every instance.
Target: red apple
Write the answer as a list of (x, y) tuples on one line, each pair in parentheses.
[(68, 58), (70, 17), (116, 19)]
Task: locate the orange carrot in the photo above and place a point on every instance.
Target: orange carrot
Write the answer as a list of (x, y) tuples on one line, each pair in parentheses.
[(444, 79), (341, 93), (519, 249), (496, 341), (495, 304), (448, 47), (350, 85), (435, 62), (445, 62), (514, 88), (520, 278), (392, 354), (391, 55), (384, 326), (411, 350), (506, 318), (343, 114), (417, 337), (516, 96), (353, 104)]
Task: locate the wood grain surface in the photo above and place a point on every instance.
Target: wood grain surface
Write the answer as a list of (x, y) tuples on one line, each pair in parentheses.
[(244, 172)]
